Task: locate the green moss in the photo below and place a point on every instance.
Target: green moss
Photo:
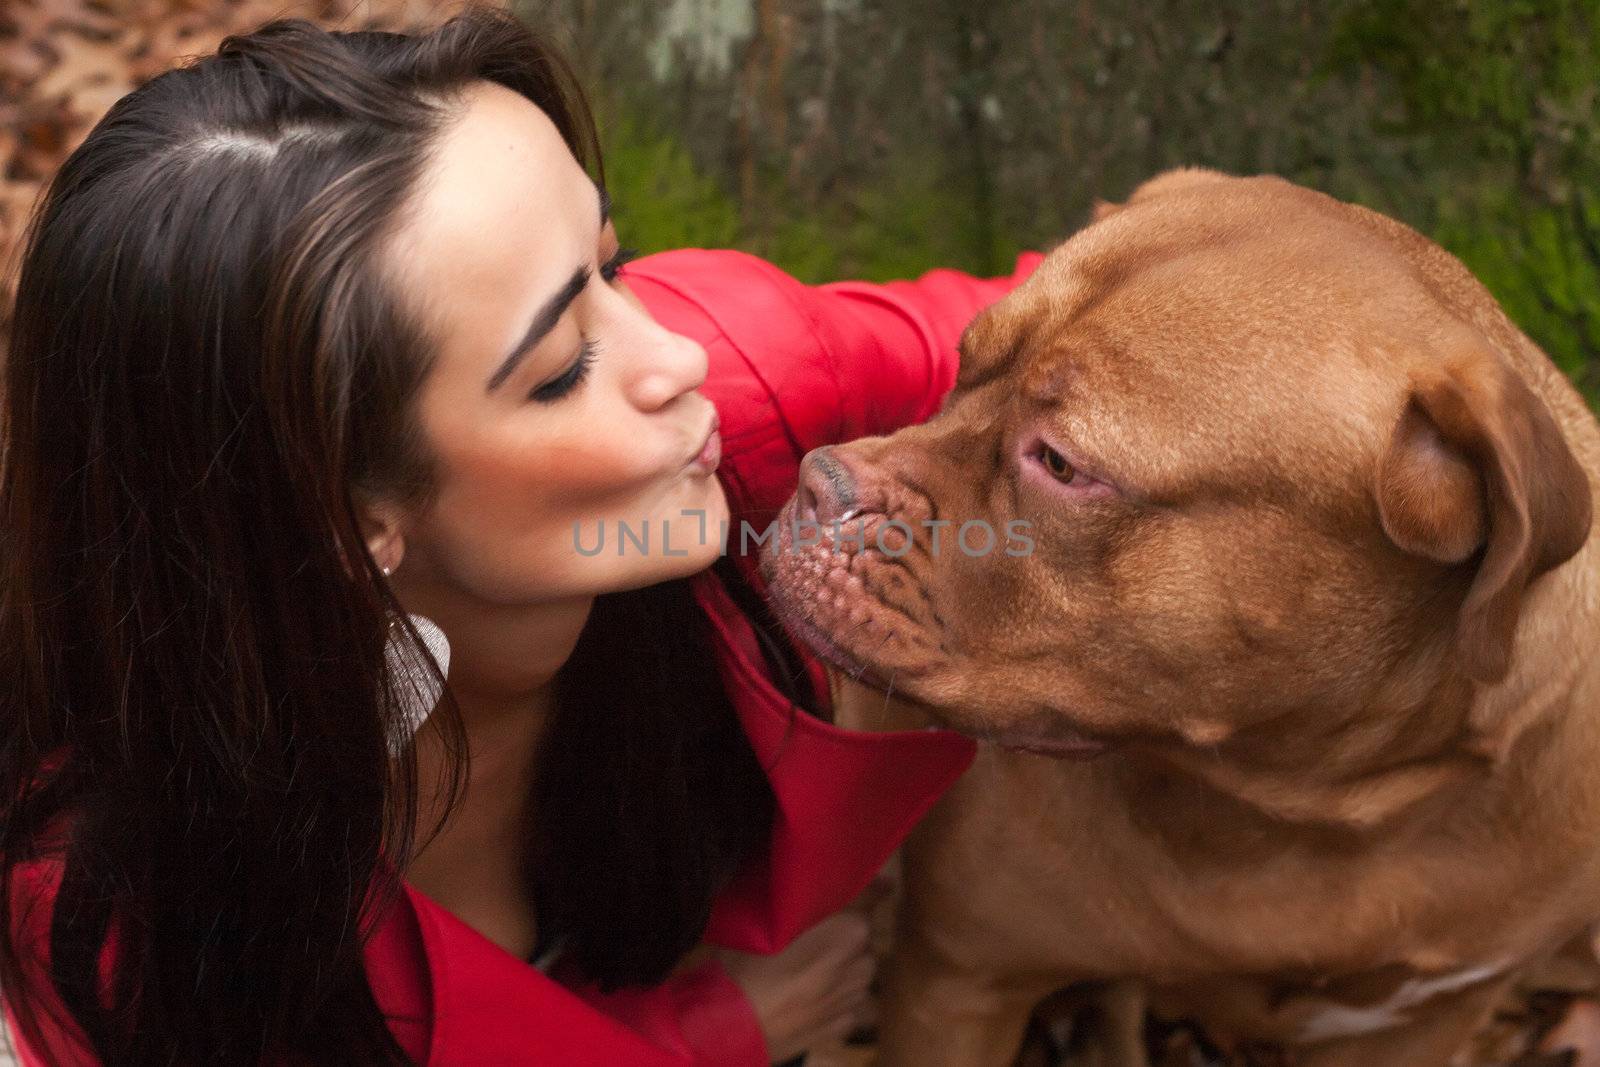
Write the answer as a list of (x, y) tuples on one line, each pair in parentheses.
[(1502, 99), (1531, 261)]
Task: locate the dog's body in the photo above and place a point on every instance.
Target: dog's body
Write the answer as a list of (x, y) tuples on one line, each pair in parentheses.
[(1328, 606), (1031, 875)]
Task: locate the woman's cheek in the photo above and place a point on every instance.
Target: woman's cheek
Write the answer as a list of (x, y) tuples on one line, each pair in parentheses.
[(575, 462), (603, 444)]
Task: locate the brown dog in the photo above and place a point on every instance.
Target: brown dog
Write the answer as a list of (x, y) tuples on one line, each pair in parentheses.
[(1305, 560)]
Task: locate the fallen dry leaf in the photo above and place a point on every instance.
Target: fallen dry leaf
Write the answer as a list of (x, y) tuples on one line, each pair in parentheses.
[(63, 63)]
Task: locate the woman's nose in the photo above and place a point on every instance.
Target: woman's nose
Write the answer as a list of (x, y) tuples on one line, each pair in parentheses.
[(671, 365)]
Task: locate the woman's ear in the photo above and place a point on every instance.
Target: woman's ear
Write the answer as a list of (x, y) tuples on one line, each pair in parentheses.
[(381, 527)]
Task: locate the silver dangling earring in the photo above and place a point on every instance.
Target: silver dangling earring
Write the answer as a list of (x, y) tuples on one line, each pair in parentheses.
[(418, 688)]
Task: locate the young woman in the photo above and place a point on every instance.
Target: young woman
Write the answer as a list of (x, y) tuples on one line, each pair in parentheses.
[(328, 331)]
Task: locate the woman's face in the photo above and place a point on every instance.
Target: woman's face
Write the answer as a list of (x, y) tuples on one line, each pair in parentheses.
[(557, 411)]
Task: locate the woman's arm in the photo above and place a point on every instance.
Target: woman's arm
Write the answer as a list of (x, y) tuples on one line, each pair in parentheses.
[(795, 366), (894, 345), (724, 1008)]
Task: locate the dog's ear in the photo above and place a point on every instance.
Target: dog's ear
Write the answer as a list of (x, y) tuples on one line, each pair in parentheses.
[(1477, 469)]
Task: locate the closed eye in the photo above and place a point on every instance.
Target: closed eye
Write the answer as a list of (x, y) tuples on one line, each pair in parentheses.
[(573, 376), (570, 378)]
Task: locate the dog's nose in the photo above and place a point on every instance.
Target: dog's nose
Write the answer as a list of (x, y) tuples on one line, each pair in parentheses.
[(827, 488)]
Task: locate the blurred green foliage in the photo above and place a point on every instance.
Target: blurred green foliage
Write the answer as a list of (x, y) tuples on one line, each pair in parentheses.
[(663, 200), (881, 138)]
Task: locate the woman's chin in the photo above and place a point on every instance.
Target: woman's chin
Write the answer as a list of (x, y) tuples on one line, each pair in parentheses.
[(696, 558), (676, 548)]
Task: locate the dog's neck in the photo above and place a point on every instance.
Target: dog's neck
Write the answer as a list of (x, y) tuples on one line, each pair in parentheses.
[(1427, 741), (1359, 803)]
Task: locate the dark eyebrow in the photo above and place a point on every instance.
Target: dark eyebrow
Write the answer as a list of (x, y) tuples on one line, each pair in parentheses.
[(543, 323), (554, 308)]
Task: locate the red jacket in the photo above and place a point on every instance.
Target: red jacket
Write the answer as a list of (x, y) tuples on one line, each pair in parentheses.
[(791, 367)]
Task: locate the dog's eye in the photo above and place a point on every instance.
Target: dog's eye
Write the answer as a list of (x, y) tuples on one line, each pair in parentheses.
[(1056, 464)]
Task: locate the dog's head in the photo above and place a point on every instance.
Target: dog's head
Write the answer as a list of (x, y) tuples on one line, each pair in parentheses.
[(1236, 452)]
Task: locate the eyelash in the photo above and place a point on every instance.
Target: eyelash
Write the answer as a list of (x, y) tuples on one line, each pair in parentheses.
[(570, 379), (613, 266)]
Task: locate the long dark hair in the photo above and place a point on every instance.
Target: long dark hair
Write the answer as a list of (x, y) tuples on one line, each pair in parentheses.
[(206, 376)]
